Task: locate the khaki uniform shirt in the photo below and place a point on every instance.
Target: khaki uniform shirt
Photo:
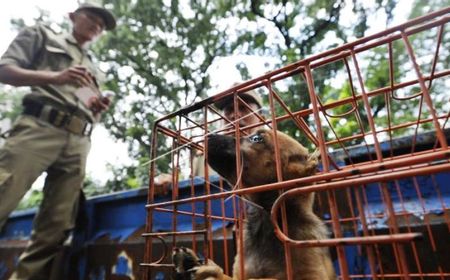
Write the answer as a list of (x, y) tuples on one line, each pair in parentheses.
[(40, 48)]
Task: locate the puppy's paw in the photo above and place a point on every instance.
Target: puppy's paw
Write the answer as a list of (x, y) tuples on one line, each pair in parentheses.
[(211, 271), (312, 162), (184, 260), (188, 266), (314, 156)]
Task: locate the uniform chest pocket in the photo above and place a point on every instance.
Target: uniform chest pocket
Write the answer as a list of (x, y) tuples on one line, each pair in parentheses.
[(55, 58)]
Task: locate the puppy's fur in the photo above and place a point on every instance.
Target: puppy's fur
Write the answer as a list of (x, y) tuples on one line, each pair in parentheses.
[(263, 252)]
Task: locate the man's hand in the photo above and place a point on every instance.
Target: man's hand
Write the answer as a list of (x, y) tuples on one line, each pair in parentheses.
[(99, 104), (75, 75), (161, 183)]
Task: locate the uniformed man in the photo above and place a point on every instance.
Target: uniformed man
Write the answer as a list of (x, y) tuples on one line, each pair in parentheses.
[(242, 113), (246, 118), (53, 133)]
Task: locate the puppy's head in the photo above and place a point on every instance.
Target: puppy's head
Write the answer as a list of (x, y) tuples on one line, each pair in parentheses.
[(258, 158)]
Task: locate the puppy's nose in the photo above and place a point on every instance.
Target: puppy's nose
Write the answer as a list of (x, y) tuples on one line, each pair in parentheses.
[(214, 138)]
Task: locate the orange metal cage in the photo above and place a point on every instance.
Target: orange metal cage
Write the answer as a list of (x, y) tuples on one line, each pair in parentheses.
[(381, 126)]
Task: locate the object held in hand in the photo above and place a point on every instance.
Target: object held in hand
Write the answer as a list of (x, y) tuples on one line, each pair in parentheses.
[(86, 94), (109, 94)]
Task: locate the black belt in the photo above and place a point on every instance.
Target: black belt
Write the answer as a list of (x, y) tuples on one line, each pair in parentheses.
[(57, 118)]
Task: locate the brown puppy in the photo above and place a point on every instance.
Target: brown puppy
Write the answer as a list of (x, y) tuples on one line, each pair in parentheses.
[(263, 252)]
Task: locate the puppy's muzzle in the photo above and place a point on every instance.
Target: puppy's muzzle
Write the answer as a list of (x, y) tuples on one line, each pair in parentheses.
[(222, 154)]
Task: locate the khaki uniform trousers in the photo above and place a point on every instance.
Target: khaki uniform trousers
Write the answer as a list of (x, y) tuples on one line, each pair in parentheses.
[(33, 147)]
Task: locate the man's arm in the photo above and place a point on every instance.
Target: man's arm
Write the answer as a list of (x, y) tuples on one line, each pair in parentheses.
[(16, 68), (76, 75), (17, 76)]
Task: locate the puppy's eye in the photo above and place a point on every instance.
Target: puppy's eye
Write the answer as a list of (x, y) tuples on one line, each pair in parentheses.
[(256, 138)]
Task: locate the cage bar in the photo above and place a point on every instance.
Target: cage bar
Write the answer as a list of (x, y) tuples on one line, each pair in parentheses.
[(382, 187)]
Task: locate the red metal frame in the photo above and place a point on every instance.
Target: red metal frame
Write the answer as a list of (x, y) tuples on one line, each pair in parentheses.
[(350, 181)]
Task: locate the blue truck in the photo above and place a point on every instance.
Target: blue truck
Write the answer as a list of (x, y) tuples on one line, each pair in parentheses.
[(107, 242)]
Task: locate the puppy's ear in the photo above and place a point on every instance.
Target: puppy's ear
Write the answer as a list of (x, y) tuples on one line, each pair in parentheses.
[(300, 165)]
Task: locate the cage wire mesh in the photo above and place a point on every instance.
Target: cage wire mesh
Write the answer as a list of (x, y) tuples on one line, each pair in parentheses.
[(381, 124)]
